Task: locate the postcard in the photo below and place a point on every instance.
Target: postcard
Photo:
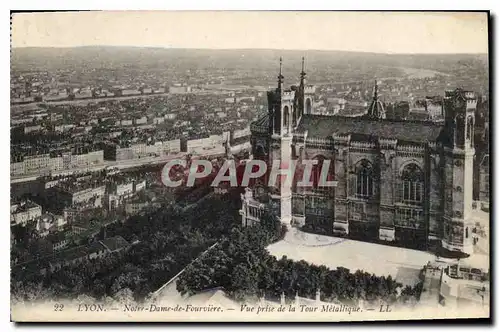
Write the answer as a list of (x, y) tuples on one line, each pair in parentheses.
[(249, 166)]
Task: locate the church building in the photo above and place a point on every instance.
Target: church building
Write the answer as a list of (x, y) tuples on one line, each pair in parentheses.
[(406, 182)]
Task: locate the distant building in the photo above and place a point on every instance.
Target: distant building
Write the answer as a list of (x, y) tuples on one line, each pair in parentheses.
[(37, 163), (77, 195), (170, 147), (139, 185), (245, 99), (21, 213), (428, 109), (179, 89), (200, 145), (336, 104), (434, 107), (29, 129), (49, 223), (63, 127), (400, 110), (17, 168), (82, 158), (158, 120), (43, 164), (56, 163), (73, 256), (76, 255), (114, 151), (142, 120), (134, 208), (170, 116), (58, 241), (130, 92), (117, 192), (17, 121)]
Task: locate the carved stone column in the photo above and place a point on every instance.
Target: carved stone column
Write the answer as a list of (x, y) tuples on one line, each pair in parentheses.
[(341, 223), (386, 230), (298, 201)]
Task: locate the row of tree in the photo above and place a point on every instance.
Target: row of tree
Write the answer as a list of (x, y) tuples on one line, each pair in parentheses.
[(169, 239), (245, 269)]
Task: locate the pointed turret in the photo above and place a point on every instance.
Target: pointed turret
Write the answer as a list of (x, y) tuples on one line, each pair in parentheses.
[(301, 92), (376, 109), (375, 91), (302, 77)]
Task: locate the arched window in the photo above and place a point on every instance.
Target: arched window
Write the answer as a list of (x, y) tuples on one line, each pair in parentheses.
[(459, 130), (299, 113), (294, 116), (308, 106), (412, 185), (286, 118), (364, 179), (470, 126), (316, 171), (277, 122)]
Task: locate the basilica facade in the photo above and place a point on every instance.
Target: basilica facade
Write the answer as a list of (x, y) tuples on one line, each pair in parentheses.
[(396, 181)]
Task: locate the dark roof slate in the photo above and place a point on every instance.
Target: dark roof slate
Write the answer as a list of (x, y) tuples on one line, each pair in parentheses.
[(320, 126)]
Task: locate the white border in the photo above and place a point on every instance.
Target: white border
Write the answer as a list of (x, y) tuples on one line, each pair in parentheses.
[(253, 5), (195, 5)]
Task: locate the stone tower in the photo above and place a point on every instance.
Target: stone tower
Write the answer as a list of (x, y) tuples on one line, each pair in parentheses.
[(280, 148), (459, 153), (307, 93)]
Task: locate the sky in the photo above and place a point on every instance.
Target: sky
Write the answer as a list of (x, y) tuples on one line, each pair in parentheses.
[(380, 32)]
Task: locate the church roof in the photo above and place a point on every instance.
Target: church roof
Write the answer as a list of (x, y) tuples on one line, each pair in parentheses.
[(320, 126)]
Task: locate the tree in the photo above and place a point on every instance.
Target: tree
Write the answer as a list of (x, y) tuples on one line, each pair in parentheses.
[(244, 282), (124, 296)]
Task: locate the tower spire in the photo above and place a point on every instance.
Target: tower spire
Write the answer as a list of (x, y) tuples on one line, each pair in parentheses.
[(302, 74), (375, 92), (280, 76)]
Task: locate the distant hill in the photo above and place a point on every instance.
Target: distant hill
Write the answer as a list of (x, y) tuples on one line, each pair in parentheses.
[(263, 59)]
